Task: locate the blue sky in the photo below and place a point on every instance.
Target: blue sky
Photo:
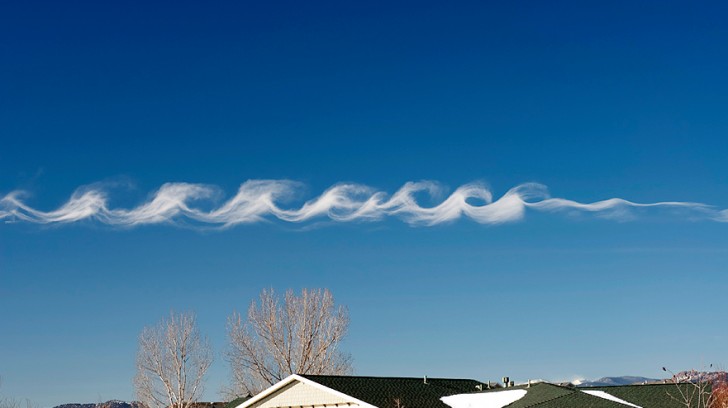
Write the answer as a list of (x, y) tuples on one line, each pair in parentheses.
[(595, 101)]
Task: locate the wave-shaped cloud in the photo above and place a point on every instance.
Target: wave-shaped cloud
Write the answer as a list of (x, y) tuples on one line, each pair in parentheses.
[(261, 200)]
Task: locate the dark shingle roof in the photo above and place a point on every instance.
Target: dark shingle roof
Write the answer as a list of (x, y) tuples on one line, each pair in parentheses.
[(237, 401), (546, 395), (651, 395), (538, 394), (578, 399), (384, 392)]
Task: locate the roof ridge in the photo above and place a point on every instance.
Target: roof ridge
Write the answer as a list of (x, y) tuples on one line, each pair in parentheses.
[(566, 387), (544, 401), (526, 386), (574, 391), (390, 377)]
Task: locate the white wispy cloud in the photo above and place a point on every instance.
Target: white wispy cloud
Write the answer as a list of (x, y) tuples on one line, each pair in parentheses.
[(261, 200)]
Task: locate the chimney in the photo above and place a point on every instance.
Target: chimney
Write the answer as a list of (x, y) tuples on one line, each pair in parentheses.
[(506, 382)]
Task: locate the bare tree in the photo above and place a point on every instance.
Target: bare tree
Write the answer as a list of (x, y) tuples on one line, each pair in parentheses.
[(171, 363), (301, 335), (7, 402), (699, 389), (720, 395)]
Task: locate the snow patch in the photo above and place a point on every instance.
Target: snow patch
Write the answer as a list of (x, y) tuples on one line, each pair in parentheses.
[(602, 394), (497, 399)]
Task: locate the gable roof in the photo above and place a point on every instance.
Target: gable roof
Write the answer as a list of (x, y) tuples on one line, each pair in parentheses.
[(581, 400), (547, 395), (291, 379), (539, 395), (385, 392), (651, 395)]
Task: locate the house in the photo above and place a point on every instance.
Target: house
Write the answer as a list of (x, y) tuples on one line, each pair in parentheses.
[(321, 391), (324, 391)]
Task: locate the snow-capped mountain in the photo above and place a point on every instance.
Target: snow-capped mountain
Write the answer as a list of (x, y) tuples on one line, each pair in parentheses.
[(623, 380)]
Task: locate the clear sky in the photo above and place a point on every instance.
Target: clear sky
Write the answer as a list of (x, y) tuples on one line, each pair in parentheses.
[(595, 100)]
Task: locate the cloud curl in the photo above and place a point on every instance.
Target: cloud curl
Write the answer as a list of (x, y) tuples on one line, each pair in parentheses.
[(263, 200)]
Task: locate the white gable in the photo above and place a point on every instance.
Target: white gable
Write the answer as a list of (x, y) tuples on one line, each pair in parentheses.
[(299, 394)]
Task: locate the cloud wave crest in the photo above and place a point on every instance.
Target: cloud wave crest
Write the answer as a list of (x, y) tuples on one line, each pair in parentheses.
[(263, 200)]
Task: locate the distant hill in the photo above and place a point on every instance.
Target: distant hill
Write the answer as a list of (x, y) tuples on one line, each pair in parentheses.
[(137, 404), (107, 404), (623, 380), (683, 376)]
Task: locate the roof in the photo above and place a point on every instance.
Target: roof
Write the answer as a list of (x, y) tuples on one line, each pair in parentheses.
[(237, 401), (546, 395), (393, 392), (539, 393), (417, 392), (543, 395), (652, 395)]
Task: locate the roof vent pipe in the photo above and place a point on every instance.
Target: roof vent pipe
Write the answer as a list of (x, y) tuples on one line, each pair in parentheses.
[(506, 381), (425, 380)]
